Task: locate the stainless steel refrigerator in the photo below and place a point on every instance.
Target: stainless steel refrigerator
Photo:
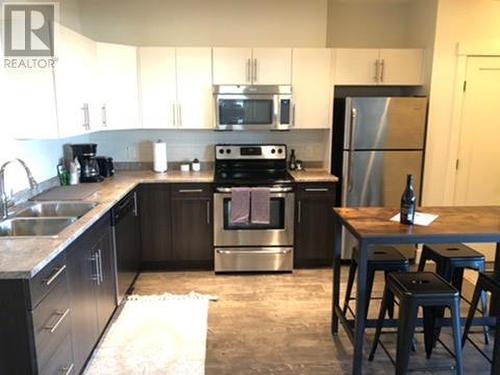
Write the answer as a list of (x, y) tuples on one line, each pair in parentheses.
[(377, 141)]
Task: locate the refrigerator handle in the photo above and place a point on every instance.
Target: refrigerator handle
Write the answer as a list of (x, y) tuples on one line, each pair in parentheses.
[(354, 115)]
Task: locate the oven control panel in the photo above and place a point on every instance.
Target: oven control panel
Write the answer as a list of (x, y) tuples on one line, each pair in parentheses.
[(262, 152)]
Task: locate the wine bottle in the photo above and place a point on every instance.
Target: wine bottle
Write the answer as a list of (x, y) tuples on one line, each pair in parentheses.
[(292, 164), (408, 202)]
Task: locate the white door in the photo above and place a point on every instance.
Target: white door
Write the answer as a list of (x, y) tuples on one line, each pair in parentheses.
[(118, 91), (312, 87), (74, 78), (356, 66), (157, 82), (194, 88), (478, 173), (272, 66), (232, 66), (401, 66)]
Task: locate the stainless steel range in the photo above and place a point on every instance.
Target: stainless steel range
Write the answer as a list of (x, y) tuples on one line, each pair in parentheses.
[(247, 246)]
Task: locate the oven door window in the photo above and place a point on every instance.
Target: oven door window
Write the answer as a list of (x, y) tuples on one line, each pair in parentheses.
[(276, 217), (246, 112)]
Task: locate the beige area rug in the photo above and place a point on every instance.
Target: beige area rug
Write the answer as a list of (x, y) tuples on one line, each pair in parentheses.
[(159, 334)]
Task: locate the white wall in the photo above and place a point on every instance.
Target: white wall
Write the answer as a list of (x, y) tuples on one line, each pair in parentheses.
[(422, 34), (41, 156), (206, 22), (135, 145), (469, 21), (369, 23)]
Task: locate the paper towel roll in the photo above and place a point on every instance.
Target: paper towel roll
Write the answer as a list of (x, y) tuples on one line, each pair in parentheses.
[(160, 156)]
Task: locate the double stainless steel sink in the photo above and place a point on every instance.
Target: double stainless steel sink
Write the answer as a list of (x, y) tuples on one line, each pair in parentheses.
[(44, 218)]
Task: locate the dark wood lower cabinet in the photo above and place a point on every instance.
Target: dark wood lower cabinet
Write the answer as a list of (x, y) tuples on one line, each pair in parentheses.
[(51, 322), (84, 316), (92, 288), (154, 212), (192, 230), (314, 225), (176, 226)]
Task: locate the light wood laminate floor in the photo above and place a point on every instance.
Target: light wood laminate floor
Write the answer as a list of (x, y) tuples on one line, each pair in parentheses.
[(280, 324)]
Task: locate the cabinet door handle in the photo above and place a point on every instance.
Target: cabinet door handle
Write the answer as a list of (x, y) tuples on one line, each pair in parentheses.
[(94, 259), (191, 191), (299, 211), (249, 78), (62, 316), (208, 212), (136, 206), (101, 276), (104, 116), (377, 71), (68, 370), (317, 190), (382, 70), (255, 70), (179, 116), (57, 272), (86, 116)]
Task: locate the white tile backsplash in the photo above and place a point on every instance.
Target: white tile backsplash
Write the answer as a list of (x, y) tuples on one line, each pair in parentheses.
[(136, 145)]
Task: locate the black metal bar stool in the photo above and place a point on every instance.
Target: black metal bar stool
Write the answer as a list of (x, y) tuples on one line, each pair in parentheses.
[(413, 290), (451, 261), (487, 281), (380, 258)]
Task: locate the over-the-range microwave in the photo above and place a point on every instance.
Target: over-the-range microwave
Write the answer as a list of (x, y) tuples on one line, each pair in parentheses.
[(262, 107)]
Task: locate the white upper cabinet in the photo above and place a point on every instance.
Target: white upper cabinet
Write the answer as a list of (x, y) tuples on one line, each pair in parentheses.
[(74, 83), (356, 66), (368, 67), (28, 103), (176, 87), (401, 66), (272, 66), (232, 66), (117, 86), (312, 80), (194, 88), (246, 66), (157, 86)]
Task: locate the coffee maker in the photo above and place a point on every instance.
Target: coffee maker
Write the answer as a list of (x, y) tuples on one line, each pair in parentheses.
[(86, 154)]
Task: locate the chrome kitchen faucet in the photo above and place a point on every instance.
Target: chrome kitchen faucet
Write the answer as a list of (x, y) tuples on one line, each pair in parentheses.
[(5, 204)]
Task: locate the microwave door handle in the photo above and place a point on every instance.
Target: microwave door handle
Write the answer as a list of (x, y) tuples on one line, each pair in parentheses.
[(277, 111)]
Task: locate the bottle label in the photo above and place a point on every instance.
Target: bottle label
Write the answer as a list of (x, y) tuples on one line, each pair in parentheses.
[(407, 213)]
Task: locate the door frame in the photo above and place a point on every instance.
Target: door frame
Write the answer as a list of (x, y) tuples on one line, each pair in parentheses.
[(484, 48)]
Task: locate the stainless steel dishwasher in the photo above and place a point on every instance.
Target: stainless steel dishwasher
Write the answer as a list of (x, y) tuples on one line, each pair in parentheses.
[(127, 240)]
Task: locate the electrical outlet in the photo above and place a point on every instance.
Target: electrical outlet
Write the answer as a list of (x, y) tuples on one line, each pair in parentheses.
[(132, 153)]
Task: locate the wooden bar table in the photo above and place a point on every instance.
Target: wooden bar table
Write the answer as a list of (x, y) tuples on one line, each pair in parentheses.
[(372, 226)]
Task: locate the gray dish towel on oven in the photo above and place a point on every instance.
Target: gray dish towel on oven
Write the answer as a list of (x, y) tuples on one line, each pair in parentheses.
[(261, 205), (240, 205)]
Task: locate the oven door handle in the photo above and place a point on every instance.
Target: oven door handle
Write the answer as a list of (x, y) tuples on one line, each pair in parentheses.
[(272, 190), (267, 251)]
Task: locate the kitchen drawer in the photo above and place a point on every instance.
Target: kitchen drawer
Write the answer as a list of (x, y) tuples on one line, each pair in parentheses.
[(316, 188), (51, 321), (46, 279), (61, 362), (191, 190)]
